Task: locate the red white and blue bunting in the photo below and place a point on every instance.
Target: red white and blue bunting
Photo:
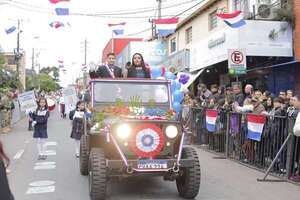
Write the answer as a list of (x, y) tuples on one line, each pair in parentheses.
[(147, 140)]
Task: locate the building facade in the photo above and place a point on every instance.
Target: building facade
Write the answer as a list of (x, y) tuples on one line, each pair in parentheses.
[(268, 44), (10, 63), (296, 6)]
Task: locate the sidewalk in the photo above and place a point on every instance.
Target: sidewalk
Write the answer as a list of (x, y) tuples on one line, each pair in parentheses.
[(225, 179), (17, 139)]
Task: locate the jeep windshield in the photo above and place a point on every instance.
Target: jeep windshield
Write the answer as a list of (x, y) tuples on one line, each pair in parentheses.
[(107, 92)]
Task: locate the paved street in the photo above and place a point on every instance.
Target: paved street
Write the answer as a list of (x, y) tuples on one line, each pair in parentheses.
[(58, 177)]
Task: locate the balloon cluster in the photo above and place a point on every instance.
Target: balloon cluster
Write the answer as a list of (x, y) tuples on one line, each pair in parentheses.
[(176, 85), (184, 78)]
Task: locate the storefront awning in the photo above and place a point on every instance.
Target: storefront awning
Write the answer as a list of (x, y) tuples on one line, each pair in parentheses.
[(193, 76), (276, 65)]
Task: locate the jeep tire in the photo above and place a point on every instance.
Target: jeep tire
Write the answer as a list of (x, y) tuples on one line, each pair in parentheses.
[(188, 181), (97, 174), (84, 154)]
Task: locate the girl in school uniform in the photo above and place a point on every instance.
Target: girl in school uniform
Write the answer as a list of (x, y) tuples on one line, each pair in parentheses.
[(77, 116), (39, 122)]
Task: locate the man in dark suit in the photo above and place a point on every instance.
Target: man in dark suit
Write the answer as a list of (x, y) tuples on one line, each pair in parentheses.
[(108, 70)]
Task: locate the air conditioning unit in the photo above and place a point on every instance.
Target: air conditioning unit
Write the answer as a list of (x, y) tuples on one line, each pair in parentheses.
[(266, 9)]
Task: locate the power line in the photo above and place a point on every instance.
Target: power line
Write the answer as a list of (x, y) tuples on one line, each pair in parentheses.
[(85, 14), (181, 13), (149, 10), (35, 8), (136, 33), (189, 8)]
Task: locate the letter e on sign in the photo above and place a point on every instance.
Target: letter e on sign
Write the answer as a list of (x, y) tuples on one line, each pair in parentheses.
[(237, 57)]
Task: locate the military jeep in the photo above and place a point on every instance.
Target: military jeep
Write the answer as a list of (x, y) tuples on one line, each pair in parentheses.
[(131, 141)]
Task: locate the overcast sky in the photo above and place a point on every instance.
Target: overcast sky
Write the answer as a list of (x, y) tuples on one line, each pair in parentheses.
[(67, 43)]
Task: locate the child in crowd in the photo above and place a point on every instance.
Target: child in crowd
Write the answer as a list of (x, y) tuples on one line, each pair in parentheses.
[(78, 117), (39, 122)]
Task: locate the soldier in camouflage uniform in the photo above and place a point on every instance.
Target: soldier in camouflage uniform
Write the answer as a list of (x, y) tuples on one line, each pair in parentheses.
[(6, 104)]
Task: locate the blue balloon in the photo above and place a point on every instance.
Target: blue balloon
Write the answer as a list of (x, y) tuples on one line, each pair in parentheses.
[(178, 96), (156, 72), (176, 106), (173, 86), (177, 85), (170, 76)]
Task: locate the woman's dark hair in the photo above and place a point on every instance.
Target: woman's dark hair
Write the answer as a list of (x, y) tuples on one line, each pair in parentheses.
[(267, 93), (272, 100), (78, 103), (3, 156), (221, 102), (46, 104), (142, 62), (222, 89)]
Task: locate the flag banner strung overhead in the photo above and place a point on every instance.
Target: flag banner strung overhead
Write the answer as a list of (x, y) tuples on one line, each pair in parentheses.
[(234, 20), (10, 30), (60, 63), (255, 126), (62, 11), (58, 1), (118, 28), (56, 24), (166, 26), (211, 117)]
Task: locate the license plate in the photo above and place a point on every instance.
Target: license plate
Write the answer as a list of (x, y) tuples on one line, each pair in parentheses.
[(152, 164)]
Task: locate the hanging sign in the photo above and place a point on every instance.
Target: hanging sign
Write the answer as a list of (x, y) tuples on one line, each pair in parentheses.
[(237, 63)]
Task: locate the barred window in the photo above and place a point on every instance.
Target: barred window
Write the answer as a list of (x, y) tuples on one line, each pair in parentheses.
[(173, 45), (188, 35), (213, 20)]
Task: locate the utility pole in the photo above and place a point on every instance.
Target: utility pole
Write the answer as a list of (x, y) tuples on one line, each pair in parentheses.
[(159, 9), (85, 63), (158, 14), (32, 60), (18, 54), (85, 51)]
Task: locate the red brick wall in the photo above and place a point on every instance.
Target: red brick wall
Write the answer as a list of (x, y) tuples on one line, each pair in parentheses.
[(297, 29)]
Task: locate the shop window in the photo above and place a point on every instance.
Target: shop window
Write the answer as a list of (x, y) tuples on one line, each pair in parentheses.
[(188, 35), (173, 45), (213, 20)]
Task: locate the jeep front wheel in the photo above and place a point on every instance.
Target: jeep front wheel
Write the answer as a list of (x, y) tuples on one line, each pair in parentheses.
[(84, 154), (188, 181), (97, 174)]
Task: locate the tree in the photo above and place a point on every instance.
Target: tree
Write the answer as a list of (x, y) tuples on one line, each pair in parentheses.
[(47, 83), (52, 71), (43, 81), (8, 77)]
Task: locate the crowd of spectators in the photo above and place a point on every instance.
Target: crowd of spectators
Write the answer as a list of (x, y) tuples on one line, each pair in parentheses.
[(249, 100)]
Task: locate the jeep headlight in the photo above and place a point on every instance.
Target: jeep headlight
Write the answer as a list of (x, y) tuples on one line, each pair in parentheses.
[(123, 131), (171, 131)]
